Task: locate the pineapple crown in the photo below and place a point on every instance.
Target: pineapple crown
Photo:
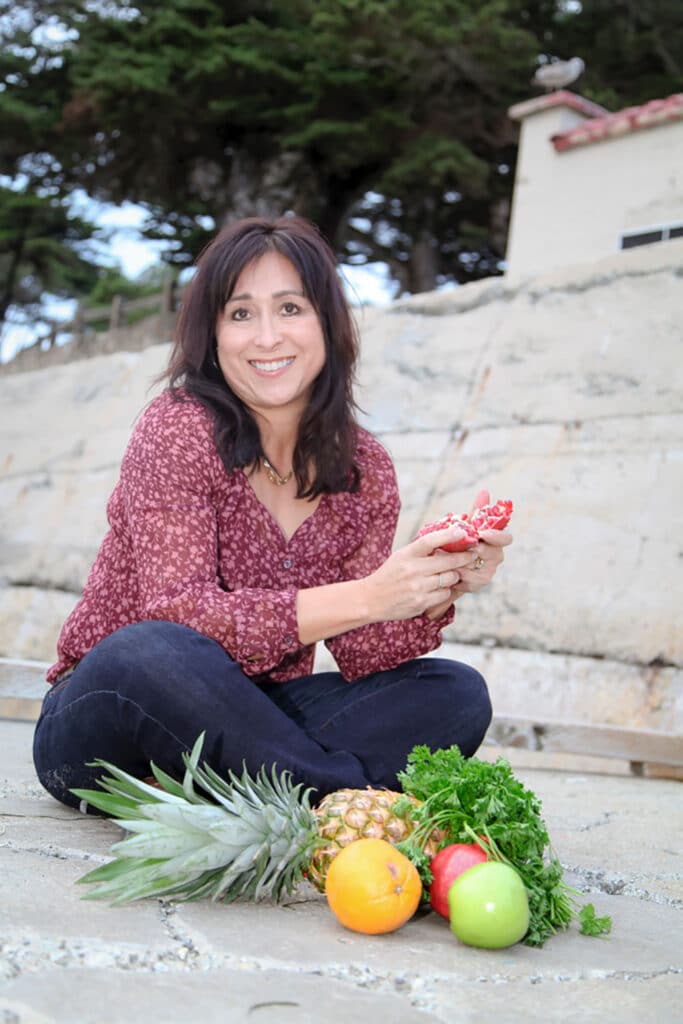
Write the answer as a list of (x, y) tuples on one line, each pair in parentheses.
[(247, 837)]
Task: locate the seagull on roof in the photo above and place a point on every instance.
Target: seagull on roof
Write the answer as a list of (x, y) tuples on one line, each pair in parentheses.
[(558, 73)]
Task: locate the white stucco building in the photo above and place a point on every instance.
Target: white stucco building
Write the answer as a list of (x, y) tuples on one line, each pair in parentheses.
[(589, 183)]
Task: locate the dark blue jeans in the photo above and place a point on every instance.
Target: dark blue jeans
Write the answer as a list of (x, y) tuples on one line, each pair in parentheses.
[(147, 691)]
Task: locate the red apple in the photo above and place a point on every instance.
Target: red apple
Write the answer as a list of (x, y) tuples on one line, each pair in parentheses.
[(448, 865)]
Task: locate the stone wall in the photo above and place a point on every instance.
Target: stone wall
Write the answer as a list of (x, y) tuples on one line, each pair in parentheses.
[(563, 393)]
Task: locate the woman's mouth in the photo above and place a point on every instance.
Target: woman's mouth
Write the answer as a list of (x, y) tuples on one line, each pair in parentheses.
[(271, 365)]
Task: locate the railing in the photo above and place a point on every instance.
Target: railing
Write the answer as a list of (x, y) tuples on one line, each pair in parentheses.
[(165, 303)]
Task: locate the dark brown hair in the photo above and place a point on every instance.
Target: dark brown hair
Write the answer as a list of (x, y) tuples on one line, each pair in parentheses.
[(327, 432)]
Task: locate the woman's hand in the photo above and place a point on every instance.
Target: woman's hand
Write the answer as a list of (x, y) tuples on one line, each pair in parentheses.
[(481, 567), (417, 578), (478, 573)]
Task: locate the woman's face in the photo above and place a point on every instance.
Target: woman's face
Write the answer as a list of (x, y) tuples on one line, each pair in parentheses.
[(271, 345)]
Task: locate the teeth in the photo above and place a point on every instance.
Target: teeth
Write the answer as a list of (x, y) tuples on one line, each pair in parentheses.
[(272, 365)]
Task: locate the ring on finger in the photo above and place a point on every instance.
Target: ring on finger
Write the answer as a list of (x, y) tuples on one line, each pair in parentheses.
[(439, 584), (478, 562)]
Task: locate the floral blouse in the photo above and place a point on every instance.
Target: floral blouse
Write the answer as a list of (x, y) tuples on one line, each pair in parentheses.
[(190, 542)]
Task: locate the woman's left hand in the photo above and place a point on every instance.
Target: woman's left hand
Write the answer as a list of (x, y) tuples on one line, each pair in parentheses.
[(479, 571), (486, 557)]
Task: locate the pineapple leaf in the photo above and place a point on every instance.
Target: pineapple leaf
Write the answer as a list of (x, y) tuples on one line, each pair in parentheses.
[(248, 838), (191, 764), (112, 805), (168, 783), (114, 869)]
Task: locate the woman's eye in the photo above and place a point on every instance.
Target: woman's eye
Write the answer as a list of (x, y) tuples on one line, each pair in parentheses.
[(290, 308), (240, 314)]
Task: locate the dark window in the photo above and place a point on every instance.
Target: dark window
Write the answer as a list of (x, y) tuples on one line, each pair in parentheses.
[(635, 238), (643, 238)]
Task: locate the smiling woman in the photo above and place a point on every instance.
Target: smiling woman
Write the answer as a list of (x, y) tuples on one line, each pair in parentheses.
[(271, 348), (253, 518), (259, 287)]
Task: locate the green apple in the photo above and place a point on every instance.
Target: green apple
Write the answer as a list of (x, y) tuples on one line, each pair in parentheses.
[(489, 906)]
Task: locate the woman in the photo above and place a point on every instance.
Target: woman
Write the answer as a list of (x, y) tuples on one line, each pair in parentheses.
[(253, 517)]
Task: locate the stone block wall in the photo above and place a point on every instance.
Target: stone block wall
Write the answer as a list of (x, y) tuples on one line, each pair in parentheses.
[(562, 392)]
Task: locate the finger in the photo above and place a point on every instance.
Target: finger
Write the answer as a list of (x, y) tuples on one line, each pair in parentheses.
[(460, 589), (496, 538), (483, 498), (490, 553), (445, 561), (445, 580), (430, 542), (437, 610)]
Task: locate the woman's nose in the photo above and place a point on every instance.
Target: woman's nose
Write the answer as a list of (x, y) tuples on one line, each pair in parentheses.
[(268, 333)]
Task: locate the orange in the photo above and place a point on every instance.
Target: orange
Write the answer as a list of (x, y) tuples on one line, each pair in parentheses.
[(371, 887)]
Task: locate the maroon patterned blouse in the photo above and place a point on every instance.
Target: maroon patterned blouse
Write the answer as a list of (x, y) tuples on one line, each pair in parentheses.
[(191, 543)]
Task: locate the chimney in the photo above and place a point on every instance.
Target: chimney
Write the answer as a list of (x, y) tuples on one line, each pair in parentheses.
[(535, 190)]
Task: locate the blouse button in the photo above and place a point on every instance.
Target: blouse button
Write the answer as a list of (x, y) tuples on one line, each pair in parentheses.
[(287, 564), (289, 640)]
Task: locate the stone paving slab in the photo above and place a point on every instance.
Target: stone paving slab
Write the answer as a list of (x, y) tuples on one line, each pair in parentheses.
[(619, 838), (228, 996)]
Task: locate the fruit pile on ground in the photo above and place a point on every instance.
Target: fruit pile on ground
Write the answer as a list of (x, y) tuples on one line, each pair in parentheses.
[(255, 838)]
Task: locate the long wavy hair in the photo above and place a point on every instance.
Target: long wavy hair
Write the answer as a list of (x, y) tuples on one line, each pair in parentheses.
[(324, 456)]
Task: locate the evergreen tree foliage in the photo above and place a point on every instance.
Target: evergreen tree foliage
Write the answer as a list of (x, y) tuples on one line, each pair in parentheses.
[(39, 251), (383, 120), (41, 243)]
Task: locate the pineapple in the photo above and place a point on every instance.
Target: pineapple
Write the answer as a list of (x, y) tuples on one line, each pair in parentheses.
[(253, 839), (350, 814)]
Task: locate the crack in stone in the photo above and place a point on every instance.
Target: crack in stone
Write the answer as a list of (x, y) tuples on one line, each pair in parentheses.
[(38, 583), (604, 819), (55, 853), (592, 881), (188, 952), (28, 475), (598, 281), (524, 421), (491, 643), (502, 290), (27, 958), (420, 990), (29, 817)]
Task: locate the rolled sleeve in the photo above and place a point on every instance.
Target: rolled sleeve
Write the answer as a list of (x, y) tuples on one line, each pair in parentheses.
[(384, 645)]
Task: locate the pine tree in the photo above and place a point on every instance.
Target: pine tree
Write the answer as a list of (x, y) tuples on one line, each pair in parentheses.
[(383, 120), (39, 251)]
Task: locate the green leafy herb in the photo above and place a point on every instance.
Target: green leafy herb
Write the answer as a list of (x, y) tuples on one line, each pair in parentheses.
[(592, 925), (476, 801)]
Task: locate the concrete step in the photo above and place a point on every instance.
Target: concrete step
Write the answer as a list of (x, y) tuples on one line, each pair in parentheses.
[(22, 688)]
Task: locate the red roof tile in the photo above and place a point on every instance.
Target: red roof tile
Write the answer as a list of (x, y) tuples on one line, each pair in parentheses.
[(558, 98), (632, 119)]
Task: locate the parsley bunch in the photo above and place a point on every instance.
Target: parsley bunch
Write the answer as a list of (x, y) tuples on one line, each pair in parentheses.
[(475, 801), (592, 925)]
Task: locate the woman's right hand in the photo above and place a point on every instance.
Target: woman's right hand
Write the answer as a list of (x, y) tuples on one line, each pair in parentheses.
[(415, 578)]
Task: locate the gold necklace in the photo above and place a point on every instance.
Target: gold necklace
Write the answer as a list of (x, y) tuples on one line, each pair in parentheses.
[(273, 474)]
